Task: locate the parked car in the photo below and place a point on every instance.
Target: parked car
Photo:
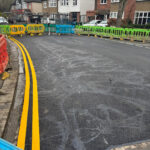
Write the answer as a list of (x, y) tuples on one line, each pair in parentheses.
[(48, 21), (3, 21), (103, 24), (93, 23)]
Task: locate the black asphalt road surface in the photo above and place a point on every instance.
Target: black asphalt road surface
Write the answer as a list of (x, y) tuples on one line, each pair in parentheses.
[(93, 93)]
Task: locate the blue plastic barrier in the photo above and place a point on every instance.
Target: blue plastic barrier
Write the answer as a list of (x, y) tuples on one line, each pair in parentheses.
[(65, 29), (7, 146)]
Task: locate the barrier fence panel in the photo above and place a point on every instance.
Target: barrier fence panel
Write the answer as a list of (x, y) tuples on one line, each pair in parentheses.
[(35, 28), (53, 28), (50, 28), (17, 29), (3, 54), (5, 29), (112, 32), (4, 145), (46, 27), (122, 33), (65, 29)]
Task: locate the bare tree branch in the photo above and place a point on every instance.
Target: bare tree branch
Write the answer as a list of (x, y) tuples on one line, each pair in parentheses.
[(5, 5), (122, 5)]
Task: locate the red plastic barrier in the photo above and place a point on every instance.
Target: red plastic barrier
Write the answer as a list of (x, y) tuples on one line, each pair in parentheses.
[(3, 54)]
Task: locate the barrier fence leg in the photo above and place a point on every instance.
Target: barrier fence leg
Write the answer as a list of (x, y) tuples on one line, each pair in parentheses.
[(132, 40), (31, 34), (49, 31), (5, 75)]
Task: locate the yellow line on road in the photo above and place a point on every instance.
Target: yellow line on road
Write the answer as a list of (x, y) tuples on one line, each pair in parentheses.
[(24, 117), (35, 110)]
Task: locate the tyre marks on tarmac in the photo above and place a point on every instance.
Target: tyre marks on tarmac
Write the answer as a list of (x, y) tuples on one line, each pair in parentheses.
[(88, 100)]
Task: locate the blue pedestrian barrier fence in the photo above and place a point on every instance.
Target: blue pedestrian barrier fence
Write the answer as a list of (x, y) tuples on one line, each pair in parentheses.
[(65, 29), (7, 146)]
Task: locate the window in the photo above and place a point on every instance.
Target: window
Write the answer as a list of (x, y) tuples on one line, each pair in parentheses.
[(113, 14), (29, 5), (74, 2), (52, 16), (52, 3), (45, 5), (12, 7), (103, 1), (24, 5), (83, 18), (64, 2), (17, 2), (115, 1), (18, 5), (141, 17)]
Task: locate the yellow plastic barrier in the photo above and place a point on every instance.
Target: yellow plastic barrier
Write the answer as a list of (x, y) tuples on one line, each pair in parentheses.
[(17, 29), (35, 29)]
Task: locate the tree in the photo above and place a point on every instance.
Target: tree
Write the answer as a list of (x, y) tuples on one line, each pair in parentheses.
[(95, 4), (5, 5), (122, 5)]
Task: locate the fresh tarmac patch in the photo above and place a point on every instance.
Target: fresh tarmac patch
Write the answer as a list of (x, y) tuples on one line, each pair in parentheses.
[(93, 93)]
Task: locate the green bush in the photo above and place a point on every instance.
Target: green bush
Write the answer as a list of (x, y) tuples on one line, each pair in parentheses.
[(127, 23), (136, 26)]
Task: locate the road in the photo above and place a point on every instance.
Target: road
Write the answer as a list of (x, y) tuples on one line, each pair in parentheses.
[(93, 93)]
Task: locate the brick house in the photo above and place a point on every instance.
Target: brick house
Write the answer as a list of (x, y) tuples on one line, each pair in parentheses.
[(50, 8), (102, 10), (142, 12), (138, 11)]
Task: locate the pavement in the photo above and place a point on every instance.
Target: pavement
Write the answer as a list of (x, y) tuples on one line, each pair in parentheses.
[(142, 145), (9, 123), (7, 90), (93, 93)]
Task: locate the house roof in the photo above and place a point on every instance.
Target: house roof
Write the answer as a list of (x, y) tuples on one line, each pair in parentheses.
[(14, 2)]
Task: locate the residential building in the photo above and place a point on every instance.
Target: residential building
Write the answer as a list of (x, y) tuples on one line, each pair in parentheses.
[(101, 12), (142, 12), (26, 10), (138, 11), (128, 11), (18, 6), (35, 6), (50, 8), (19, 10), (74, 10)]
